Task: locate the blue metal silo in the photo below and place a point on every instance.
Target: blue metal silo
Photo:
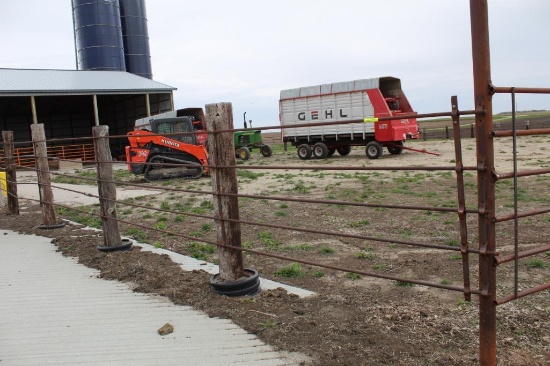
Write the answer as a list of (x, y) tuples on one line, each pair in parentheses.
[(136, 37), (98, 35)]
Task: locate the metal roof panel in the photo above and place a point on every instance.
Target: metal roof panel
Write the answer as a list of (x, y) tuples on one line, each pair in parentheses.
[(33, 81)]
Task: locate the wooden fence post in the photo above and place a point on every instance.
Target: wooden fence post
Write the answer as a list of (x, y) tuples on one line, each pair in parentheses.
[(11, 175), (221, 147), (44, 179), (107, 192), (472, 134), (446, 132)]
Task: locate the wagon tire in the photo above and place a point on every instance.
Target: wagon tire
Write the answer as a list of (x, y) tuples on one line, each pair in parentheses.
[(344, 150), (320, 150), (396, 148), (373, 150), (304, 151)]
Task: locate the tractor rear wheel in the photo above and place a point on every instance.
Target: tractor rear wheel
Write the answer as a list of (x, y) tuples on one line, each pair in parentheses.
[(266, 151)]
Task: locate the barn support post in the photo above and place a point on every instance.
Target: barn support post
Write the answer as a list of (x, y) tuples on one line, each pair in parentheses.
[(33, 110), (44, 179), (96, 111), (479, 16), (107, 192), (224, 180), (11, 174), (147, 105)]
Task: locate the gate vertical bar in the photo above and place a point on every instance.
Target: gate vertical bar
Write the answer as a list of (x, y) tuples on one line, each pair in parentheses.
[(479, 17), (516, 221), (461, 199), (11, 175), (221, 147)]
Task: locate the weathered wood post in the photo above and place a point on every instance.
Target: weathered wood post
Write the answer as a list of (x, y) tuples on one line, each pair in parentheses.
[(44, 179), (11, 176), (220, 149), (446, 132), (107, 192)]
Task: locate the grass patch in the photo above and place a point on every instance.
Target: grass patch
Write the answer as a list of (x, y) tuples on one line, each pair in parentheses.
[(453, 242), (536, 263), (266, 238), (365, 255), (353, 276), (200, 251), (269, 324), (248, 174), (291, 271), (326, 250), (404, 284), (136, 233), (358, 224)]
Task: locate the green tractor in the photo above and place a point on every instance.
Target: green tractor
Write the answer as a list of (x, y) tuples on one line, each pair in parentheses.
[(248, 140)]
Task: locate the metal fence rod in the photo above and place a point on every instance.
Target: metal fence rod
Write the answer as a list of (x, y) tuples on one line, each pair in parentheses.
[(523, 293), (276, 256), (515, 177), (461, 196), (522, 214), (358, 168), (354, 236), (522, 173), (510, 133), (485, 156), (512, 89), (380, 119), (357, 204), (523, 254)]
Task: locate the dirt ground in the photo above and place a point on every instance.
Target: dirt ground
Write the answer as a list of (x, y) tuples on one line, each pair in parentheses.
[(353, 319)]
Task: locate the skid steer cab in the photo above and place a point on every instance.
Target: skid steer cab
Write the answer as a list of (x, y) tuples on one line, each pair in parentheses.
[(169, 149)]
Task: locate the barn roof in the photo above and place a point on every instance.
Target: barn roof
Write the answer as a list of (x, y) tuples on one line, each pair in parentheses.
[(22, 82)]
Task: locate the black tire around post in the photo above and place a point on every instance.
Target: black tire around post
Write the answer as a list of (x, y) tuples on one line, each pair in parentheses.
[(320, 150), (304, 151), (248, 286), (373, 150)]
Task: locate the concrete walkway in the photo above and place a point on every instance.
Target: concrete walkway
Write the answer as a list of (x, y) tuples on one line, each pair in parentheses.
[(54, 311)]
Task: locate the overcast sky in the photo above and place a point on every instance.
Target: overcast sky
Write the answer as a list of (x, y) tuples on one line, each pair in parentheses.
[(247, 51)]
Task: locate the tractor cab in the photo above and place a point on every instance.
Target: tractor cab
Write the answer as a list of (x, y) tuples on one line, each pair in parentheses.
[(171, 127)]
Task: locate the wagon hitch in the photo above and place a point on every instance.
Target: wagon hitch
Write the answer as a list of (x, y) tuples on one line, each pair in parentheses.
[(416, 150)]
